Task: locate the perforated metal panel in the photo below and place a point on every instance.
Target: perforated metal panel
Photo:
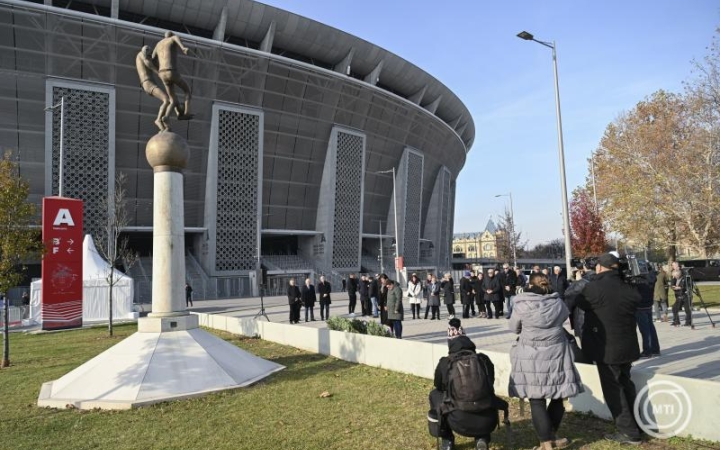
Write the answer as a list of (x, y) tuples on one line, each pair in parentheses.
[(86, 144), (445, 219), (413, 208), (238, 191), (348, 191)]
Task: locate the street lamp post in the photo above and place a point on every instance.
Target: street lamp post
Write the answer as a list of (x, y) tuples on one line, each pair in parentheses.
[(561, 151), (397, 241), (512, 228), (61, 105)]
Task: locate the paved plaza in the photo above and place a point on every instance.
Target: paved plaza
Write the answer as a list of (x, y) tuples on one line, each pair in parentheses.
[(685, 352)]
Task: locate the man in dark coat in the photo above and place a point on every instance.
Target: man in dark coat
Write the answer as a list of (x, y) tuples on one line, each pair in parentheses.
[(558, 281), (363, 290), (610, 339), (491, 287), (478, 425), (374, 293), (509, 283), (308, 298), (645, 285), (476, 285), (352, 288), (466, 294), (323, 290), (382, 299), (294, 300)]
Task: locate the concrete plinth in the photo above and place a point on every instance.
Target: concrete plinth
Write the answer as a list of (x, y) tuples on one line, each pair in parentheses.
[(169, 358), (149, 368)]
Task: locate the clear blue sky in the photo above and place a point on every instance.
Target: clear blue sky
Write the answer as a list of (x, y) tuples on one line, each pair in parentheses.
[(611, 54)]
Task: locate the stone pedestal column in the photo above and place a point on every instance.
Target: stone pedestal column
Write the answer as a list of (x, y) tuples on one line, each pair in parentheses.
[(168, 154)]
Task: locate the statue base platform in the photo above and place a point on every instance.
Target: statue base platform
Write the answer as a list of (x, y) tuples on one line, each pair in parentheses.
[(157, 366)]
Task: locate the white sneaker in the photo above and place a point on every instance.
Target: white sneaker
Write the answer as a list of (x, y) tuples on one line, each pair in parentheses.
[(451, 317)]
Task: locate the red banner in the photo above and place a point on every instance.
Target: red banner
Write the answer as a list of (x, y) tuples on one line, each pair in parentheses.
[(62, 265)]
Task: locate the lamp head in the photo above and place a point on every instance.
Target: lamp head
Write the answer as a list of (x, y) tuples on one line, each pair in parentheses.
[(525, 35)]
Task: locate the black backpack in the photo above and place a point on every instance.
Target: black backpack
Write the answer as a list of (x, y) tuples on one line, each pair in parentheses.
[(468, 386)]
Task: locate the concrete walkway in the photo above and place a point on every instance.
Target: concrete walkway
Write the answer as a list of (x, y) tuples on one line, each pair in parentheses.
[(685, 352)]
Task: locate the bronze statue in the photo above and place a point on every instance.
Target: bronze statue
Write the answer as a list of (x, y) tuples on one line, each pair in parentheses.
[(166, 54), (163, 62), (145, 68)]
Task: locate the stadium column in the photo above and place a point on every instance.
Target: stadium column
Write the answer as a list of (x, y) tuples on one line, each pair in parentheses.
[(409, 183), (338, 244), (439, 219), (233, 195)]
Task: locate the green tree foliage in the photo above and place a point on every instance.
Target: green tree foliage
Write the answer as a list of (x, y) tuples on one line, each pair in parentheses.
[(18, 241), (506, 238), (587, 235), (657, 167)]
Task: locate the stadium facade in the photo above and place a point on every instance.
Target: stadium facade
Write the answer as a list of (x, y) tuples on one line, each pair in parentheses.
[(293, 121)]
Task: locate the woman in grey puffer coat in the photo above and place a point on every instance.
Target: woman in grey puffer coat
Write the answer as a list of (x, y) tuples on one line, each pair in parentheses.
[(542, 361)]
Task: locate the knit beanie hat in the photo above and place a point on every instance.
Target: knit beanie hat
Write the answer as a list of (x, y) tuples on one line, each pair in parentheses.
[(455, 329)]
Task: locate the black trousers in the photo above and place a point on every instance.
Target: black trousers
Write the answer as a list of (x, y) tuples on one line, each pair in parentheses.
[(324, 310), (427, 309), (685, 304), (619, 393), (353, 302), (365, 305), (310, 310), (450, 309), (475, 425), (498, 307), (295, 312), (546, 418), (488, 308), (415, 308)]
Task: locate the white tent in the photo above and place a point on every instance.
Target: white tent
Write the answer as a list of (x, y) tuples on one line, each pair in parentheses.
[(95, 290)]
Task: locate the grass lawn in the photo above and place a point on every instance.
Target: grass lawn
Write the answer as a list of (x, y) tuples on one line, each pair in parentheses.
[(710, 295), (369, 408)]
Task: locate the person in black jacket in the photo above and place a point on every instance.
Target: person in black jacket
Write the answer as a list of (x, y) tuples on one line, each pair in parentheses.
[(294, 300), (480, 295), (307, 293), (491, 287), (645, 285), (352, 288), (447, 294), (509, 284), (363, 290), (558, 281), (478, 425), (679, 287), (323, 290), (610, 340), (466, 294), (374, 293)]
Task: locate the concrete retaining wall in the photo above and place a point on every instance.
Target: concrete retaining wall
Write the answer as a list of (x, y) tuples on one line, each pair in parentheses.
[(420, 358)]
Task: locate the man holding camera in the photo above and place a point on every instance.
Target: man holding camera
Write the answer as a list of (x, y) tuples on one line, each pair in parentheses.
[(610, 340)]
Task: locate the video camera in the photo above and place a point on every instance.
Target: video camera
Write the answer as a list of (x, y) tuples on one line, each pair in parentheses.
[(633, 269)]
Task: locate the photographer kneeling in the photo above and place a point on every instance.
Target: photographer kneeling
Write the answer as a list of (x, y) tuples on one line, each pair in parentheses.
[(464, 399)]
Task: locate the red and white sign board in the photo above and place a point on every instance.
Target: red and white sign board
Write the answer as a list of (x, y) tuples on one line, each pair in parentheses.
[(62, 265)]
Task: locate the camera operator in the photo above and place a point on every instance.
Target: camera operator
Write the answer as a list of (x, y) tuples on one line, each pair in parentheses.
[(682, 299), (609, 339), (577, 315)]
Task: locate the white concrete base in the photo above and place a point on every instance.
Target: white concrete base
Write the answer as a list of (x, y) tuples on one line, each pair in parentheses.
[(150, 367), (164, 324)]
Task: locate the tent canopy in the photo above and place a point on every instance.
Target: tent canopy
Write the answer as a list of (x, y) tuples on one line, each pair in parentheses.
[(95, 289)]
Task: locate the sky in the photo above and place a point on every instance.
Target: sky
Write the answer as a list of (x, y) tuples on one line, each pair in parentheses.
[(611, 55)]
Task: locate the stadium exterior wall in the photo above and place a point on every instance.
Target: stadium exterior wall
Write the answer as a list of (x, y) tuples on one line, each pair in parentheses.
[(267, 130)]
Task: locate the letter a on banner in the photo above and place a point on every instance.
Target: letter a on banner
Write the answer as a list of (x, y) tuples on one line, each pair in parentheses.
[(62, 275)]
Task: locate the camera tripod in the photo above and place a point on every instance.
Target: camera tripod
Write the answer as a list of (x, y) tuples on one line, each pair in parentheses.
[(261, 313), (692, 288)]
